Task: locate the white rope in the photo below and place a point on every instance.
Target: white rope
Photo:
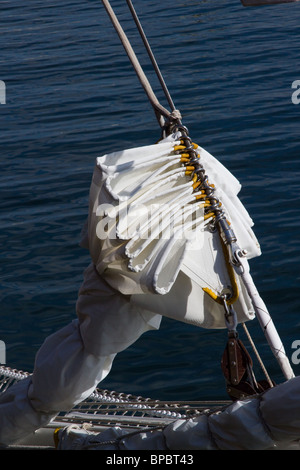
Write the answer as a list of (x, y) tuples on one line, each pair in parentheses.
[(257, 355)]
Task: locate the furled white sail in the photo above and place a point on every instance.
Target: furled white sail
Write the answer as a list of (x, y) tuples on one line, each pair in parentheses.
[(148, 235)]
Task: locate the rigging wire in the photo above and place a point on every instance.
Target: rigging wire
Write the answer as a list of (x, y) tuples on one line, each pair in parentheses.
[(161, 112), (151, 55)]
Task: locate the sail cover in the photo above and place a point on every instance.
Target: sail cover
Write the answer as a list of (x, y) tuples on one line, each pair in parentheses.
[(148, 237)]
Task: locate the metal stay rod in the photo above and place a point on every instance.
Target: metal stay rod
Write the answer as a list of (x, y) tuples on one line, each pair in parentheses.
[(151, 55), (265, 320), (161, 112)]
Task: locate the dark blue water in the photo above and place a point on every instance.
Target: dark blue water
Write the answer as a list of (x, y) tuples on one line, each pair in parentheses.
[(71, 95)]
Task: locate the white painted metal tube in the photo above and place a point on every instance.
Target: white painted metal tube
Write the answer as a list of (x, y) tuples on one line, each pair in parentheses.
[(266, 321)]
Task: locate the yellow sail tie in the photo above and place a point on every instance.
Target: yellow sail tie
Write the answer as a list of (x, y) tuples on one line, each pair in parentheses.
[(206, 202)]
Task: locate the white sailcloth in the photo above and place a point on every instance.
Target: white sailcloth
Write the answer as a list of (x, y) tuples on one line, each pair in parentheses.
[(148, 237)]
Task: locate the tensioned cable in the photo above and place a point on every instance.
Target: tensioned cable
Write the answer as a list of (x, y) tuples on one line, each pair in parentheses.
[(151, 55), (160, 111)]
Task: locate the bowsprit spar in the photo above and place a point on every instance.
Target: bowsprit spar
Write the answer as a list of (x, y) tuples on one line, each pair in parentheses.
[(235, 239)]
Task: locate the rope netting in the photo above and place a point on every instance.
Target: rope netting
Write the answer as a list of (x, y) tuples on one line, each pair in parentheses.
[(111, 408)]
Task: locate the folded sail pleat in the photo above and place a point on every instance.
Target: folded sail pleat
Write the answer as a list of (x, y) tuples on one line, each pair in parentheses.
[(148, 235)]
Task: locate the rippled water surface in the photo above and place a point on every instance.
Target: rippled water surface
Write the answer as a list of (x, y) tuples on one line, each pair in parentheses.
[(71, 95)]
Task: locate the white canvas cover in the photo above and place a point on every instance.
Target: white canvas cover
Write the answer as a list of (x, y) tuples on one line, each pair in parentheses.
[(148, 238), (270, 421), (73, 360)]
